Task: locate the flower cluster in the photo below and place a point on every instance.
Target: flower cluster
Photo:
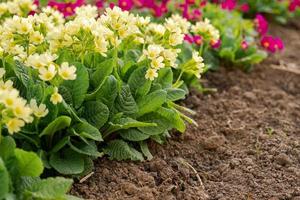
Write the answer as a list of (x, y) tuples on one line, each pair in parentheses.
[(15, 112), (16, 7), (206, 30)]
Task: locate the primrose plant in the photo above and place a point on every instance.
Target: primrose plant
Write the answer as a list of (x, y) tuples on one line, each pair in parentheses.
[(73, 90)]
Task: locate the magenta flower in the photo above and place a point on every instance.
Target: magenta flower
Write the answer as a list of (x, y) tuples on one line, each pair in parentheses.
[(272, 44), (196, 14), (216, 45), (189, 38), (67, 9), (244, 45), (244, 7), (261, 23), (294, 4), (100, 4), (228, 4), (198, 39), (126, 4)]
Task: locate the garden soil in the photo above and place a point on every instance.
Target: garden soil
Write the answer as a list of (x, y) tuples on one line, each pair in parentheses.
[(246, 147)]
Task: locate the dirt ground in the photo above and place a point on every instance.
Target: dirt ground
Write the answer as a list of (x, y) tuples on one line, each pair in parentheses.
[(247, 145)]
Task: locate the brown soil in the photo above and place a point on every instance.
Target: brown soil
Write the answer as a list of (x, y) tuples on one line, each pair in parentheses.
[(247, 145)]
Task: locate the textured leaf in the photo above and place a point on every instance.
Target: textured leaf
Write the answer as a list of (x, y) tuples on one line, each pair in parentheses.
[(165, 77), (58, 124), (88, 131), (67, 162), (175, 94), (50, 188), (174, 119), (151, 102), (22, 73), (162, 124), (145, 150), (126, 123), (7, 147), (89, 149), (29, 164), (125, 102), (96, 113), (103, 70), (138, 83), (133, 135), (120, 150), (108, 91), (78, 87), (4, 180)]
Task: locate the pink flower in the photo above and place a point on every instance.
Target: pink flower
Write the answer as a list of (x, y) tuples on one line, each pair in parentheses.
[(244, 7), (196, 15), (198, 39), (67, 9), (126, 4), (100, 4), (216, 45), (294, 4), (272, 44), (203, 3), (189, 38), (244, 45), (228, 4), (261, 23)]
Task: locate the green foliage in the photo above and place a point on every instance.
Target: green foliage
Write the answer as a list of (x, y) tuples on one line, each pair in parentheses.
[(19, 175)]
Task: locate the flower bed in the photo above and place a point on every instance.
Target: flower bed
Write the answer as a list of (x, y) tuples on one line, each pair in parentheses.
[(76, 85)]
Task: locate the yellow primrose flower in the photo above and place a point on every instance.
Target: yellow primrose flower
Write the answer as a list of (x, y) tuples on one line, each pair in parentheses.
[(9, 99), (151, 74), (35, 61), (157, 63), (56, 97), (47, 74), (21, 111), (67, 72), (36, 37), (39, 111), (14, 125)]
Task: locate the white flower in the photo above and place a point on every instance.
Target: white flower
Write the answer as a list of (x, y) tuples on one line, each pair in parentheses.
[(67, 72), (56, 97), (151, 74), (39, 111), (47, 74), (157, 63)]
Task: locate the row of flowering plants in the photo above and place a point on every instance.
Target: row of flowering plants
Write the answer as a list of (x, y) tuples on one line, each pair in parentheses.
[(74, 89), (80, 81)]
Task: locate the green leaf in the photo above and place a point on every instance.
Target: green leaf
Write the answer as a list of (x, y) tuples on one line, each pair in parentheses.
[(151, 102), (125, 102), (173, 117), (61, 144), (103, 70), (126, 123), (29, 164), (88, 131), (162, 124), (50, 188), (89, 149), (67, 162), (175, 94), (120, 150), (22, 73), (165, 77), (96, 113), (138, 83), (4, 180), (133, 135), (7, 147), (78, 87), (58, 124), (108, 91), (145, 150)]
